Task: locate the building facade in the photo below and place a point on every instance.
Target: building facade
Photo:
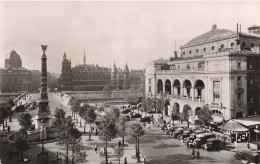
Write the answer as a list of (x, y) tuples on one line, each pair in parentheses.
[(14, 78), (90, 77), (220, 68)]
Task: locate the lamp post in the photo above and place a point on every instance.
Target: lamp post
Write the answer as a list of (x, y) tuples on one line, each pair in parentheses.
[(43, 133), (257, 131)]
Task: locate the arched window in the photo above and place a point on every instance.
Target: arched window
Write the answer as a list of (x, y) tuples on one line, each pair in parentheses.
[(213, 48), (197, 50), (204, 49), (190, 52), (232, 44), (222, 46), (183, 53), (252, 45)]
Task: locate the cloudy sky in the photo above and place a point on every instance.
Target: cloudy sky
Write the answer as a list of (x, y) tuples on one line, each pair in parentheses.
[(132, 32)]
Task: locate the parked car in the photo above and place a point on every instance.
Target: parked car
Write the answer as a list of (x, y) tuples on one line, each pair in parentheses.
[(20, 108), (126, 111), (150, 112), (145, 119), (136, 115), (213, 144)]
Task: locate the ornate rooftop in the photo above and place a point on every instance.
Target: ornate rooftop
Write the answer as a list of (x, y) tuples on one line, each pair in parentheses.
[(212, 35)]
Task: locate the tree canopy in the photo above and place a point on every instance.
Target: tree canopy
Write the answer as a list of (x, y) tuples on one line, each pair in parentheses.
[(25, 120), (59, 116), (205, 115)]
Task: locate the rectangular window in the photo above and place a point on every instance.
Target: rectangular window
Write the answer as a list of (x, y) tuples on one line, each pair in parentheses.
[(150, 81), (216, 91), (239, 98), (239, 80), (238, 65), (150, 89)]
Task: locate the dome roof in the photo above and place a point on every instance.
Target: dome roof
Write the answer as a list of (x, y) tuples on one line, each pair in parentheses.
[(212, 35), (13, 60)]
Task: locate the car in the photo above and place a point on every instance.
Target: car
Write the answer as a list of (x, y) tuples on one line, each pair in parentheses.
[(136, 115), (126, 111), (127, 118), (20, 108), (150, 112), (145, 119)]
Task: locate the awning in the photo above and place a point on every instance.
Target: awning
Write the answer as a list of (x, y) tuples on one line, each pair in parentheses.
[(233, 126), (250, 121), (217, 119)]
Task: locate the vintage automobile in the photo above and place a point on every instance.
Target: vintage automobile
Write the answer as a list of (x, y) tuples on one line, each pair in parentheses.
[(136, 115), (19, 108), (145, 119), (201, 139), (213, 144), (184, 136), (177, 133), (126, 111)]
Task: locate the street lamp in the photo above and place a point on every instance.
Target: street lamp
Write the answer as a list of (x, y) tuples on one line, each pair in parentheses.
[(257, 131), (43, 133)]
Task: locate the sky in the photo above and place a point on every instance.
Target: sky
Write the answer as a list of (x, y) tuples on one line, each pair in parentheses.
[(108, 32)]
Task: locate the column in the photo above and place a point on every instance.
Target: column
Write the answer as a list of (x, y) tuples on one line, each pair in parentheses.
[(193, 93), (163, 91), (172, 90)]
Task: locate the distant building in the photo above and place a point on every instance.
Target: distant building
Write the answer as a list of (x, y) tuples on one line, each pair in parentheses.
[(14, 78), (90, 77), (220, 68)]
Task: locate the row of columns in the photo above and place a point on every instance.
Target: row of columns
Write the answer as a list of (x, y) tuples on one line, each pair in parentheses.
[(184, 91)]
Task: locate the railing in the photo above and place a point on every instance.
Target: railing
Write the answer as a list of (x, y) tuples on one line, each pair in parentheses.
[(184, 97), (236, 68), (183, 70)]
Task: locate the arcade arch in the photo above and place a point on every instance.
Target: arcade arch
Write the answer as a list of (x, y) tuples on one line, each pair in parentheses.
[(199, 89), (168, 87), (177, 87), (187, 88), (160, 86)]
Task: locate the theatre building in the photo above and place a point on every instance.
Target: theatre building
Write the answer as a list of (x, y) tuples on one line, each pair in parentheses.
[(14, 78), (220, 68)]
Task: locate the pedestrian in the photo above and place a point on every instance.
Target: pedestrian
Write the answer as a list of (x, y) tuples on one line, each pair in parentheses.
[(198, 154), (96, 148), (125, 161), (119, 143), (104, 151), (248, 145), (57, 155), (193, 152), (96, 131)]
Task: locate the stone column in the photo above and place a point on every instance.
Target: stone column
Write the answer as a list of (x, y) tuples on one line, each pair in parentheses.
[(172, 90), (163, 91), (193, 93)]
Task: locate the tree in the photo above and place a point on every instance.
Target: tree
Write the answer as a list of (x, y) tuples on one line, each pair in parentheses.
[(89, 115), (107, 130), (106, 92), (115, 112), (75, 106), (175, 112), (122, 127), (25, 120), (135, 130), (100, 109), (186, 113), (59, 116), (205, 115), (70, 138), (20, 143), (11, 104), (3, 114), (119, 152)]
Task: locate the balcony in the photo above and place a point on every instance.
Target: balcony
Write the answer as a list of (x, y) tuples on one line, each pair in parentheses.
[(183, 70), (186, 98)]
